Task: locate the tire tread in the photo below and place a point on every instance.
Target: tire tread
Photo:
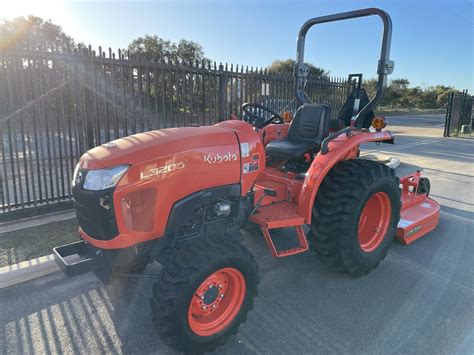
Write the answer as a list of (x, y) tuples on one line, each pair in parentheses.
[(333, 213)]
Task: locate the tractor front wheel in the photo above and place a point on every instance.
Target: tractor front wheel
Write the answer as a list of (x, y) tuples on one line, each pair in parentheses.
[(355, 216), (205, 293)]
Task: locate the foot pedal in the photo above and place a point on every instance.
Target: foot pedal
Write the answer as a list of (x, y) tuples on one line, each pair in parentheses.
[(303, 243)]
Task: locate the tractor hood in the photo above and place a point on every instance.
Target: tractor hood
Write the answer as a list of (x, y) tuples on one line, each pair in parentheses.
[(143, 147)]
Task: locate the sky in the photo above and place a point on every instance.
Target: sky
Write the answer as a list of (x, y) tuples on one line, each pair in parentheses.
[(432, 40)]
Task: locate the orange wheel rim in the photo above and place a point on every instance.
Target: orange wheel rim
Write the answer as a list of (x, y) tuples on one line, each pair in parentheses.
[(374, 221), (216, 302)]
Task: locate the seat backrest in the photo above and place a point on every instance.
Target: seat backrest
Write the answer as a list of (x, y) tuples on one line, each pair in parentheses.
[(346, 110), (311, 123)]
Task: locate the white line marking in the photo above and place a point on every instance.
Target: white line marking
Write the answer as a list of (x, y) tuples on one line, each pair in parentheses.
[(407, 145)]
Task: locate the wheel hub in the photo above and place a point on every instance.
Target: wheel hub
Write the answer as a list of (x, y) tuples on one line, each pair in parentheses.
[(216, 302), (210, 295), (374, 221)]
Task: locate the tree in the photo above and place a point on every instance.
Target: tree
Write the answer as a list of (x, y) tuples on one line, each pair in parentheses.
[(370, 86), (287, 66), (34, 33), (399, 95), (399, 84), (153, 47)]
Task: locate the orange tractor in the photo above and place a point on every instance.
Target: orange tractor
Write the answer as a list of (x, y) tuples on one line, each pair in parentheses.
[(176, 195)]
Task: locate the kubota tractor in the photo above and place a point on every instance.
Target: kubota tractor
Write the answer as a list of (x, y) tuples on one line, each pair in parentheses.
[(176, 195)]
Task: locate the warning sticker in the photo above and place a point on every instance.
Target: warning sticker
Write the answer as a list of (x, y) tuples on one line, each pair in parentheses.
[(244, 150), (404, 223), (250, 167)]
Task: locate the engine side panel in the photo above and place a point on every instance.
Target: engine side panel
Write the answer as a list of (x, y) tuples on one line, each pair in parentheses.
[(143, 199), (252, 152)]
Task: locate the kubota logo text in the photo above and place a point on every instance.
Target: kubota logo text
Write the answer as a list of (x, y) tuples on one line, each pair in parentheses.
[(217, 158)]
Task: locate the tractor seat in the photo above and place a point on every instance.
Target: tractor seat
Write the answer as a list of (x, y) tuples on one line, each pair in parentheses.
[(306, 133)]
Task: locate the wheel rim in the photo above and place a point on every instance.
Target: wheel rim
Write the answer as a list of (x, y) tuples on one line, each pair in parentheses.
[(216, 302), (374, 221)]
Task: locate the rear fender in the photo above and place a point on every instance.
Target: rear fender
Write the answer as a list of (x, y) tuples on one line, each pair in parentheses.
[(342, 148)]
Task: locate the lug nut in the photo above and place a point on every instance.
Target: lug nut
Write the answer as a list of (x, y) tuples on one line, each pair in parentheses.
[(202, 297), (204, 307), (214, 306), (222, 295), (210, 286), (220, 285)]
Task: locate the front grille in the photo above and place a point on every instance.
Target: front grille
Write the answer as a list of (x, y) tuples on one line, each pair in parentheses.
[(95, 211)]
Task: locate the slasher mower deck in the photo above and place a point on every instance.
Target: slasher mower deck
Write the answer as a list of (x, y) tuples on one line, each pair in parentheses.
[(419, 214), (175, 196)]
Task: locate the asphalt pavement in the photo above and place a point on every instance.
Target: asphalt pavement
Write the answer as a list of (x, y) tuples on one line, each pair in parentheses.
[(420, 300)]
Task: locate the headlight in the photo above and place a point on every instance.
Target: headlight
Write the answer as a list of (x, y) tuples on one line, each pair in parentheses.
[(104, 178)]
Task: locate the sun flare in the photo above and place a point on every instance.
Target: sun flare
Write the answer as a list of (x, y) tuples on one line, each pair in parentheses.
[(49, 9)]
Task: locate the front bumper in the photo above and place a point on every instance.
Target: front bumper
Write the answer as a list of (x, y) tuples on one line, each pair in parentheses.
[(90, 258), (80, 257)]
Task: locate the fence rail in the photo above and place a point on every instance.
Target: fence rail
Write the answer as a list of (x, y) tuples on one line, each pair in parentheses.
[(55, 106), (459, 113)]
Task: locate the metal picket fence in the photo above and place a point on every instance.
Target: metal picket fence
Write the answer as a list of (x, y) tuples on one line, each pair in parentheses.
[(55, 106), (459, 113)]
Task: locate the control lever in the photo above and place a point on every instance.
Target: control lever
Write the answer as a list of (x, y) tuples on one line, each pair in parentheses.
[(266, 192)]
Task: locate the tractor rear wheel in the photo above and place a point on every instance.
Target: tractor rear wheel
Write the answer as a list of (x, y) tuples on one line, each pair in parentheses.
[(205, 293), (355, 216)]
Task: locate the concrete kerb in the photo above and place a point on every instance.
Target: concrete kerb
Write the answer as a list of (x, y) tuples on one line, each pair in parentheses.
[(27, 270), (31, 269)]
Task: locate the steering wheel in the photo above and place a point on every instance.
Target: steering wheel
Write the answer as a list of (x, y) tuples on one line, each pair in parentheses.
[(260, 120)]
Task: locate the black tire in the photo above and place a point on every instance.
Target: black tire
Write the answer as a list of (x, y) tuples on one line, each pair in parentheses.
[(424, 186), (334, 235), (179, 282)]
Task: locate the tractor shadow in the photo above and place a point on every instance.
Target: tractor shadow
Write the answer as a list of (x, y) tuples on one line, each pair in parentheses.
[(81, 315)]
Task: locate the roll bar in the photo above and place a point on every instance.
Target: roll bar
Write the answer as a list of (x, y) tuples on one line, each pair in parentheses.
[(384, 68)]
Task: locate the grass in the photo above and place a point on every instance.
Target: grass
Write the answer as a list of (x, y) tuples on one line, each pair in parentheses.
[(30, 243)]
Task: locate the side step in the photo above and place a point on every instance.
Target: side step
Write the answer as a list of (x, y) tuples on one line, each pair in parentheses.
[(303, 243), (281, 215)]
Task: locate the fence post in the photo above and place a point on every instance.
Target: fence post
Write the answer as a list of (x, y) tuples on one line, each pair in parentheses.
[(471, 98), (84, 76), (447, 121), (222, 93), (463, 114)]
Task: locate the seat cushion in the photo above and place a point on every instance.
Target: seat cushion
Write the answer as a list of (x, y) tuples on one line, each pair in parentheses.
[(289, 149), (305, 135)]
